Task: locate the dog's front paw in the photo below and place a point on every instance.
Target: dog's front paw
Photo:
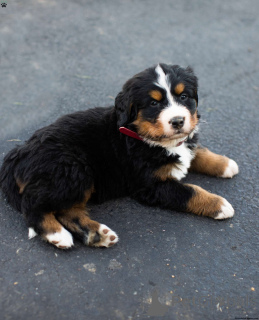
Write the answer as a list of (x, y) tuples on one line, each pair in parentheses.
[(231, 169), (208, 204), (104, 237), (226, 212)]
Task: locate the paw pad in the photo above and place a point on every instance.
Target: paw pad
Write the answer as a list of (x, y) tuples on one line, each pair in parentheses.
[(107, 237)]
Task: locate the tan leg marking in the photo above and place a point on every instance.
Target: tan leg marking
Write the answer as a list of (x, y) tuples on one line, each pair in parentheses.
[(21, 185), (209, 204), (164, 172), (50, 224), (88, 194), (78, 212), (209, 163), (68, 217), (55, 233)]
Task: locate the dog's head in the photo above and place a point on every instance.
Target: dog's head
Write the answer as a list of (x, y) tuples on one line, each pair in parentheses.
[(160, 103)]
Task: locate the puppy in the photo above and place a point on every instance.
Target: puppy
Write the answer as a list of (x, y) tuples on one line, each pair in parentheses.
[(141, 147)]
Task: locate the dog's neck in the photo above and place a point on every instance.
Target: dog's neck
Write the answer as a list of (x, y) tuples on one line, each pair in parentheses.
[(134, 135)]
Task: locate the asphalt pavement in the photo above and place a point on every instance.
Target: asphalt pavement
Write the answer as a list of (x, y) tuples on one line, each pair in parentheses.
[(57, 57)]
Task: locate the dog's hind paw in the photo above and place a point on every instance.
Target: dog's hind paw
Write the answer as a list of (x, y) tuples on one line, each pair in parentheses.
[(62, 239), (104, 237)]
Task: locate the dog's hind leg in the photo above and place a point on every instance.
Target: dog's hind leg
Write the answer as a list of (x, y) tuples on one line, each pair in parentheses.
[(56, 222), (41, 218), (50, 230), (90, 232)]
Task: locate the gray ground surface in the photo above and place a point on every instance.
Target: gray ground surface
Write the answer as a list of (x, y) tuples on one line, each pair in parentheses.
[(63, 56)]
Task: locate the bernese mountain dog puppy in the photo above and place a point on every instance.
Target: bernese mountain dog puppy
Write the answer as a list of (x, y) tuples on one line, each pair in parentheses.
[(141, 147)]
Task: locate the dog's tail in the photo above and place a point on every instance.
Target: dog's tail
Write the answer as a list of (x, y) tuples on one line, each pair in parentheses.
[(8, 182)]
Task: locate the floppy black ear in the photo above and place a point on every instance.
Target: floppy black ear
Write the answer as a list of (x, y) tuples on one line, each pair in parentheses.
[(123, 107), (194, 79), (196, 96)]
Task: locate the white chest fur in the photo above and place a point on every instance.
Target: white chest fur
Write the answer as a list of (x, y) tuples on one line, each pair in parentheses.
[(185, 158)]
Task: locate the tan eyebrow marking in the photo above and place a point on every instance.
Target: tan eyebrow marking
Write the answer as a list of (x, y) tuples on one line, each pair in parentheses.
[(179, 88), (155, 94)]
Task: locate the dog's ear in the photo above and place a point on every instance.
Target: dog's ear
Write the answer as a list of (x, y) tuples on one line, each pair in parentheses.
[(196, 96), (194, 80), (124, 105)]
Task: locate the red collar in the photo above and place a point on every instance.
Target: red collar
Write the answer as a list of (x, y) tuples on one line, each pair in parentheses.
[(134, 135), (130, 133)]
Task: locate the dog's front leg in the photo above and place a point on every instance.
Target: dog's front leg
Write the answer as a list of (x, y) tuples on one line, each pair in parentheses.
[(213, 164), (171, 194)]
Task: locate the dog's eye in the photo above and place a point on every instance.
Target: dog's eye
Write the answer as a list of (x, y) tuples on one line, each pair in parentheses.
[(154, 103), (183, 96)]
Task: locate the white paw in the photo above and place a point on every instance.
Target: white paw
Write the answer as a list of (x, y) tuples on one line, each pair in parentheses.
[(31, 233), (62, 239), (231, 169), (107, 237), (226, 212)]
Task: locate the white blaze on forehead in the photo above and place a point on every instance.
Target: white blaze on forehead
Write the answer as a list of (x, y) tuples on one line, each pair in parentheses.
[(163, 82), (173, 109)]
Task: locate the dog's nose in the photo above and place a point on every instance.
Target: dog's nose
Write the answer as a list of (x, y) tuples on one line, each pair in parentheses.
[(177, 122)]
